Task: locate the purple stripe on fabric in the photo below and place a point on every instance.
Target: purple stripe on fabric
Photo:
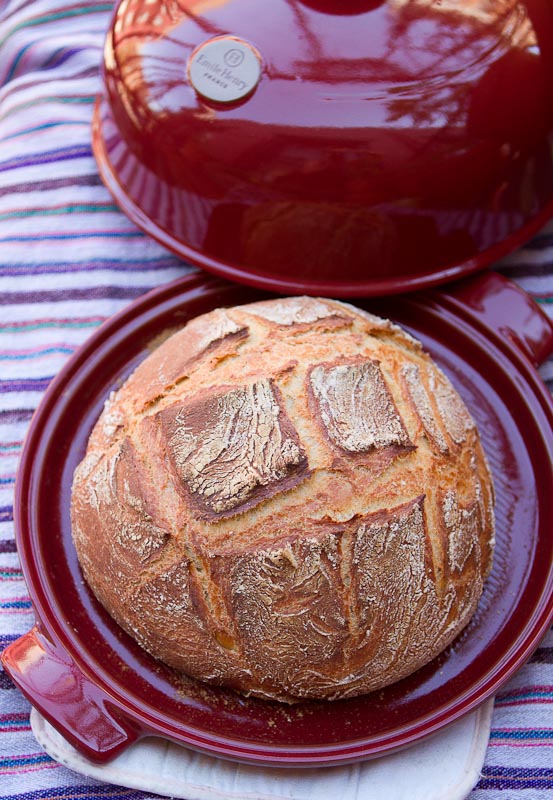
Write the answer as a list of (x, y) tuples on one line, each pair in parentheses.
[(5, 681), (519, 778), (90, 266), (81, 792), (16, 415), (546, 772), (22, 5), (54, 183), (8, 546), (62, 55), (543, 656), (13, 87), (52, 156), (6, 515), (60, 295), (520, 784), (524, 269), (7, 638), (540, 241), (29, 385)]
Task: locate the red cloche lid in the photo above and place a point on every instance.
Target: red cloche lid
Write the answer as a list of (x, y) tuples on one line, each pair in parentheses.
[(353, 147)]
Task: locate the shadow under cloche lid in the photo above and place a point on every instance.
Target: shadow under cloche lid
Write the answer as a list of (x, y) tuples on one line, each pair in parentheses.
[(361, 147)]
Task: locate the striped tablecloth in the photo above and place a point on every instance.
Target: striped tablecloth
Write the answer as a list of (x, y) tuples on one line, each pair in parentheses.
[(68, 260)]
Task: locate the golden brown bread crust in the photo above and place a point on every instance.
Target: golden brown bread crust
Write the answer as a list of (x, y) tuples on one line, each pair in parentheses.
[(288, 498)]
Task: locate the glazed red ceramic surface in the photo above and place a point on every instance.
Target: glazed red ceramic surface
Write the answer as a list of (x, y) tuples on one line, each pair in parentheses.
[(351, 148), (98, 687)]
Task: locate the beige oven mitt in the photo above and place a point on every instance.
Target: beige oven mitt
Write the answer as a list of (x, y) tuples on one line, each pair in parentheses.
[(445, 766)]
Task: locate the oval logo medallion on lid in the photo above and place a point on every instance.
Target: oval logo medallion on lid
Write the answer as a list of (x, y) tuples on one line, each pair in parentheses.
[(224, 69)]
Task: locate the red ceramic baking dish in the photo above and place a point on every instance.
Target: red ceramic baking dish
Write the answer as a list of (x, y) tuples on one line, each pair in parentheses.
[(342, 147), (102, 692)]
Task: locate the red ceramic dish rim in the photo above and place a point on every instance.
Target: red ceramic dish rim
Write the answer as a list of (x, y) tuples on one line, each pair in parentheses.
[(246, 276), (57, 631)]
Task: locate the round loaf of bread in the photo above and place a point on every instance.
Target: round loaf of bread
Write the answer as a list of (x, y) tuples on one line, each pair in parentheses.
[(288, 498)]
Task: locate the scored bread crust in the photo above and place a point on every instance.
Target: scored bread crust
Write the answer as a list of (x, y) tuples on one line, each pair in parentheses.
[(288, 498)]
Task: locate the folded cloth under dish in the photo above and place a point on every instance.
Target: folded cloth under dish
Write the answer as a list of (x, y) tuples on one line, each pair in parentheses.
[(445, 766)]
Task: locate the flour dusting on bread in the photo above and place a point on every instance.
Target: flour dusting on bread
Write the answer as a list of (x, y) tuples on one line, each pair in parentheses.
[(288, 498)]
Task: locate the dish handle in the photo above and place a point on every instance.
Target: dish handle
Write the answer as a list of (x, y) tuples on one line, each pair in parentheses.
[(71, 703), (501, 305)]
